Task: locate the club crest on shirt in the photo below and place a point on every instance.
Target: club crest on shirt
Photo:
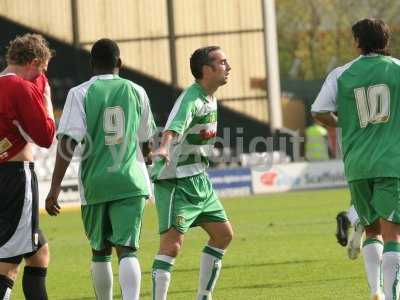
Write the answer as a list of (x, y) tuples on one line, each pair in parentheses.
[(180, 220), (5, 144)]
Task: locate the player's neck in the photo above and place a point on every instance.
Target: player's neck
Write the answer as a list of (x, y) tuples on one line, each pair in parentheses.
[(210, 88), (15, 69), (97, 72)]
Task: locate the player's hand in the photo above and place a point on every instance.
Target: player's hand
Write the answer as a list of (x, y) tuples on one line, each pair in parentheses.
[(52, 206), (162, 153), (47, 101), (42, 84)]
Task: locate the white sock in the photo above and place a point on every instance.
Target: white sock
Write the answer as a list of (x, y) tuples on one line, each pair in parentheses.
[(102, 278), (129, 278), (210, 267), (352, 215), (372, 252), (161, 276), (391, 270), (161, 280)]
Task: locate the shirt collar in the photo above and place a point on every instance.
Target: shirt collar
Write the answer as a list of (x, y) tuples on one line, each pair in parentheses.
[(206, 96), (371, 55), (105, 77), (8, 74)]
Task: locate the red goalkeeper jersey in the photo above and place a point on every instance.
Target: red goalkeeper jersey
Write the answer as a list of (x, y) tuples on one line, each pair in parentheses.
[(22, 109)]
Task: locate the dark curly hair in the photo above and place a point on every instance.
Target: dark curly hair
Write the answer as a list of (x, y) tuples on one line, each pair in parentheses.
[(372, 36)]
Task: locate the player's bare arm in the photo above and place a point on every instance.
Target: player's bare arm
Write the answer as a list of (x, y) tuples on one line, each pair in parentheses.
[(47, 101), (166, 141), (65, 153), (326, 119)]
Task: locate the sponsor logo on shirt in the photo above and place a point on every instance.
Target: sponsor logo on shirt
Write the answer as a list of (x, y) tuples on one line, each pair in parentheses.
[(207, 134)]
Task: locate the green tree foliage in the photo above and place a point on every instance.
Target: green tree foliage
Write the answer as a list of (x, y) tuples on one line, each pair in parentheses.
[(315, 35)]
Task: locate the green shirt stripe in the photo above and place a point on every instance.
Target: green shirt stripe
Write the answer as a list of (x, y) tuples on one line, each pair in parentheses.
[(192, 159), (209, 118), (194, 118)]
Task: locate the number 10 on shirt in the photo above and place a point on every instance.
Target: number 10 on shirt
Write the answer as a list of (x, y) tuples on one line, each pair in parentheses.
[(373, 104)]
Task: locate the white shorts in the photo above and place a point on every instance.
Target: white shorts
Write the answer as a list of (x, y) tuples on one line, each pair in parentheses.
[(19, 211)]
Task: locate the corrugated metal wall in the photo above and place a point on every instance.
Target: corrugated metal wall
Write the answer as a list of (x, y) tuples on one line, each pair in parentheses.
[(142, 31), (52, 17), (140, 27), (236, 26)]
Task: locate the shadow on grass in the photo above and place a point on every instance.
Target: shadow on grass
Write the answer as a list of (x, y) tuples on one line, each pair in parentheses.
[(268, 285), (254, 286), (293, 283), (226, 267)]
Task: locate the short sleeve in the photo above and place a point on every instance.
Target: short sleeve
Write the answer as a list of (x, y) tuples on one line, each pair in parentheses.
[(326, 99), (181, 115), (147, 126), (73, 118)]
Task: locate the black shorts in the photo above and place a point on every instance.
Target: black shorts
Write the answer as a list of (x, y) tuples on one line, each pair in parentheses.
[(19, 212)]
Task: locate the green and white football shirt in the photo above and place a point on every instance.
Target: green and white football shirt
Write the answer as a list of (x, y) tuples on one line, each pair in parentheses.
[(366, 95), (110, 116), (194, 118)]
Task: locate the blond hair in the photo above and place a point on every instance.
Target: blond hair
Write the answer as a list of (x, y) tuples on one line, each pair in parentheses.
[(23, 49)]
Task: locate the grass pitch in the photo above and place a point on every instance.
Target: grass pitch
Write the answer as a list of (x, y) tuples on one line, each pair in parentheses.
[(284, 248)]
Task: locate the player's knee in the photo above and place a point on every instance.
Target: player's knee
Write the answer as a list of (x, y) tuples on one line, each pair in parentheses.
[(390, 236), (104, 252), (41, 258), (230, 237), (9, 270), (372, 232), (223, 240), (123, 251), (226, 239), (174, 249), (390, 231), (171, 249)]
